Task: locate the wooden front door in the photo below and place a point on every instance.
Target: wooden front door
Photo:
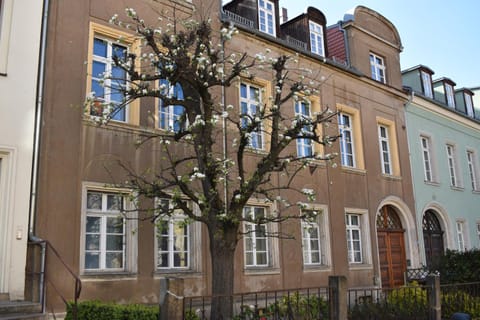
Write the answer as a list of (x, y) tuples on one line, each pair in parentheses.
[(432, 239), (391, 248)]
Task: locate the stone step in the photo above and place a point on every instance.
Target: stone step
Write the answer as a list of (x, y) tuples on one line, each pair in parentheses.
[(10, 310)]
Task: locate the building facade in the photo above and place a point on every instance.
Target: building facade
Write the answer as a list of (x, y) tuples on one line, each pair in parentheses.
[(20, 28), (444, 139), (366, 227)]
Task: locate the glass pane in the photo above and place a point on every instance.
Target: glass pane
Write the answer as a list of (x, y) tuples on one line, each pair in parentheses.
[(98, 89), (119, 51), (114, 260), (314, 245), (261, 258), (94, 200), (115, 242), (114, 202), (262, 244), (92, 260), (98, 68), (163, 243), (92, 242), (180, 259), (315, 257), (249, 258), (248, 244), (115, 225), (243, 91), (100, 47), (93, 224), (163, 260)]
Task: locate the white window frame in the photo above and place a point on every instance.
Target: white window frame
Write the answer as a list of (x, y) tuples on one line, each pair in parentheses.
[(469, 105), (169, 111), (251, 230), (317, 41), (478, 231), (119, 115), (5, 27), (473, 169), (378, 68), (7, 169), (303, 109), (426, 148), (450, 95), (427, 84), (251, 104), (266, 11), (320, 223), (452, 165), (384, 144), (177, 217), (352, 229), (460, 230), (129, 225), (347, 139)]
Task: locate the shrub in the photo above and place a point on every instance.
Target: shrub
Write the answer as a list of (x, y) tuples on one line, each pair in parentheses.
[(96, 310), (460, 301), (460, 267)]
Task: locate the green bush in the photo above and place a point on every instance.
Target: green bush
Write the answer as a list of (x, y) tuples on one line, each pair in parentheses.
[(459, 267), (459, 301), (96, 310)]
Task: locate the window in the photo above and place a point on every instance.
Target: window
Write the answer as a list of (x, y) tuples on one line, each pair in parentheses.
[(478, 230), (354, 238), (6, 7), (427, 84), (384, 149), (472, 169), (110, 90), (105, 232), (377, 67), (427, 162), (346, 140), (316, 39), (451, 159), (469, 105), (249, 104), (461, 236), (173, 241), (450, 95), (315, 237), (266, 17), (304, 145), (171, 116), (255, 239)]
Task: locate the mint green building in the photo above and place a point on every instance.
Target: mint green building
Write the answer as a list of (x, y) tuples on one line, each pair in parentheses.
[(443, 129)]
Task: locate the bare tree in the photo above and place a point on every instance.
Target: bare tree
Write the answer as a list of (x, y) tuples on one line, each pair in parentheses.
[(209, 157)]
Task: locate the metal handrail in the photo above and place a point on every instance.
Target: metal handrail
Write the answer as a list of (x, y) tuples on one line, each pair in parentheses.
[(46, 245)]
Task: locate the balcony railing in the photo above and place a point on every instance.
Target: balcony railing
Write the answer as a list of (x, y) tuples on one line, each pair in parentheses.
[(235, 18)]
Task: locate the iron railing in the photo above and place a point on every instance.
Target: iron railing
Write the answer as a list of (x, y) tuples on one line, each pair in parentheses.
[(305, 304)]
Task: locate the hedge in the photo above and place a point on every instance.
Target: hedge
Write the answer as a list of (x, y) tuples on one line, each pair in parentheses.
[(96, 310)]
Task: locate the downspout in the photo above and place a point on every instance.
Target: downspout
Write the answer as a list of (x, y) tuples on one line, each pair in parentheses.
[(36, 151), (224, 120)]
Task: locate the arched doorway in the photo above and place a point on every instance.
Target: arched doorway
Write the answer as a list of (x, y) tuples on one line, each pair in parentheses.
[(432, 238), (391, 247)]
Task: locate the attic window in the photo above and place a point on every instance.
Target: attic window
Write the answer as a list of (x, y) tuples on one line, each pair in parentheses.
[(266, 17), (469, 104), (450, 96), (316, 39), (427, 84), (377, 65)]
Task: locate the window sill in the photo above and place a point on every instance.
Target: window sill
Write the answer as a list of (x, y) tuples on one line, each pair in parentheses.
[(457, 188), (432, 183), (391, 177), (107, 276), (316, 268), (476, 192), (159, 274), (354, 170), (261, 270), (360, 266)]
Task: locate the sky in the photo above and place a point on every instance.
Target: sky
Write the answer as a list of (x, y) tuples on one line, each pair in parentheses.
[(442, 35)]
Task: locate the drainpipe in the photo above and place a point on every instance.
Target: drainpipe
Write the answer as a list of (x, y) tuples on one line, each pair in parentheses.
[(36, 151), (345, 41)]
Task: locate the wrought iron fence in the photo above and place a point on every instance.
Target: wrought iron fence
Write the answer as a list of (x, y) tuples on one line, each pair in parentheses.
[(301, 304), (409, 302), (464, 297)]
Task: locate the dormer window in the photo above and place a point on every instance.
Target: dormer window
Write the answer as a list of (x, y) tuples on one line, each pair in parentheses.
[(450, 95), (377, 66), (316, 39), (266, 17), (469, 104), (427, 84)]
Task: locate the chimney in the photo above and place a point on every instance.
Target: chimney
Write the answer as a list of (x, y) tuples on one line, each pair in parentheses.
[(284, 16)]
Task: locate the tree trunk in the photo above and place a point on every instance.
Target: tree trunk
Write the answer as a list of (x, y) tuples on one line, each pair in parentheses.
[(222, 252)]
